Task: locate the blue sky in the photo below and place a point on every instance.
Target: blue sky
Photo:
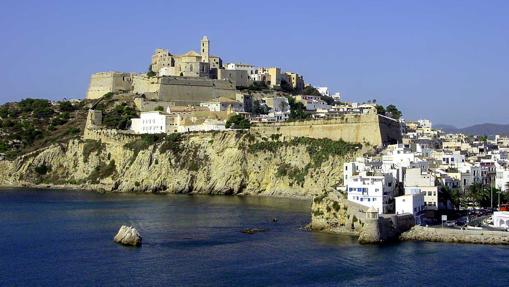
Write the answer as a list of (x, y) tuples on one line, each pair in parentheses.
[(443, 60)]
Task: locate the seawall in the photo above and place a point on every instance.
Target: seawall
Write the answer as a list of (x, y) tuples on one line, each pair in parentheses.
[(437, 234)]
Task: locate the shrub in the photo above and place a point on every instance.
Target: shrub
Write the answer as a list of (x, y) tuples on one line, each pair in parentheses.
[(237, 122), (42, 169), (171, 143), (102, 171), (90, 147)]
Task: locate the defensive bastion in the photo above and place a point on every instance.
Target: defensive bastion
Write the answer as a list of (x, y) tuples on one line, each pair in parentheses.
[(372, 129)]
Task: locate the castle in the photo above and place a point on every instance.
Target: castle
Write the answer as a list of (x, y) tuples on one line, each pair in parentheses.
[(190, 78)]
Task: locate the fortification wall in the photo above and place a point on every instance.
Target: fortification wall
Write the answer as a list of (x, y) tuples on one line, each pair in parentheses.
[(109, 136), (193, 91), (365, 128), (105, 82)]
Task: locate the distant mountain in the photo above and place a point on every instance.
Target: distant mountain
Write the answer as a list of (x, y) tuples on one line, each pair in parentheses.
[(480, 129)]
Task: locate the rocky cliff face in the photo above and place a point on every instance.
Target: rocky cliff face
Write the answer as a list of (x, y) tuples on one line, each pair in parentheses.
[(213, 163), (332, 212)]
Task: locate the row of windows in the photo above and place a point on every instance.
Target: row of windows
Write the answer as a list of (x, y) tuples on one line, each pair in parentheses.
[(361, 189), (152, 128), (368, 199)]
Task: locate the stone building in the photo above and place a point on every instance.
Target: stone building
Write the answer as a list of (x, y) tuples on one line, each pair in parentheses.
[(295, 80), (190, 64), (108, 82)]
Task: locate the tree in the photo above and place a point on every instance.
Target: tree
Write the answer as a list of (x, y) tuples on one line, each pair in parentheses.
[(395, 113), (297, 110), (237, 122), (260, 109), (380, 110), (159, 108), (150, 73)]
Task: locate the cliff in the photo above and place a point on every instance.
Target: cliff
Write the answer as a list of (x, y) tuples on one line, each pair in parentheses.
[(332, 212), (212, 163)]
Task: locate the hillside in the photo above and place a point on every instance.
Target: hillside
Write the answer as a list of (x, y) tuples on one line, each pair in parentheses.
[(32, 124), (480, 129)]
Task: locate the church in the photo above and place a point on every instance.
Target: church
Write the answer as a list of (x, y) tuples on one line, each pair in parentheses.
[(190, 64)]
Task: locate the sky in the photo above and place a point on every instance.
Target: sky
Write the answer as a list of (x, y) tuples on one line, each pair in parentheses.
[(447, 61)]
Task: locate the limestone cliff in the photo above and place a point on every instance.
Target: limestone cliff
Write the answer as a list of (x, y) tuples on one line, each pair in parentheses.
[(332, 212), (213, 163)]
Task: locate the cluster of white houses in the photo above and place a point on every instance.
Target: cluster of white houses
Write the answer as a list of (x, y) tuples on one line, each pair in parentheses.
[(408, 177)]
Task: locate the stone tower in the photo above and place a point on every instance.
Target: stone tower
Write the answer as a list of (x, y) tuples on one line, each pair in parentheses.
[(204, 48)]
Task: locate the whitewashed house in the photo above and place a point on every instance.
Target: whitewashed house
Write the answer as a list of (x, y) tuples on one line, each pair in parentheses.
[(371, 191), (153, 123)]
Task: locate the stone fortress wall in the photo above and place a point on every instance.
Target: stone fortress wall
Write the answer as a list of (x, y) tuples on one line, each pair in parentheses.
[(179, 90), (363, 128)]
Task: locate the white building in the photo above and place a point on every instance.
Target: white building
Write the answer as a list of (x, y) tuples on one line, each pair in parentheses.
[(312, 103), (501, 219), (418, 182), (371, 191), (152, 123), (223, 104), (410, 203), (502, 179), (324, 91), (336, 96)]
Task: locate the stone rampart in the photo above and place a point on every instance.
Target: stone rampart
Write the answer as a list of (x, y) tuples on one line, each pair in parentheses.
[(109, 136), (358, 128)]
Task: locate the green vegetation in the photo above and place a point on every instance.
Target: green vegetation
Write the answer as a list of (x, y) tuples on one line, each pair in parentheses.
[(393, 112), (390, 111), (89, 147), (102, 171), (120, 117), (159, 109), (319, 149), (144, 142), (35, 123), (237, 122), (256, 86), (171, 143), (42, 169), (150, 73), (297, 110), (260, 109)]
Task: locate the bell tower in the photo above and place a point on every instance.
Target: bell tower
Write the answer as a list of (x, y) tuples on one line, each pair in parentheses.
[(204, 49)]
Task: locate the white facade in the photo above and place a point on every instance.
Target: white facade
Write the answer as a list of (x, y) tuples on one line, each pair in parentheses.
[(501, 219), (410, 203), (223, 105), (313, 103), (336, 96), (371, 191), (152, 123), (502, 179), (324, 91), (207, 125)]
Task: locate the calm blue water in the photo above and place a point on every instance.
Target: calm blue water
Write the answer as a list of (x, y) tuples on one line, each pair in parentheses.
[(65, 239)]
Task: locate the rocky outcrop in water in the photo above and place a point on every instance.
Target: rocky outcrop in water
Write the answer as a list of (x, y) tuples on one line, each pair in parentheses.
[(212, 163), (128, 235)]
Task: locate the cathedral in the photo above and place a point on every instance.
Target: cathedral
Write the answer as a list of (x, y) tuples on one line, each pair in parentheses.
[(190, 64)]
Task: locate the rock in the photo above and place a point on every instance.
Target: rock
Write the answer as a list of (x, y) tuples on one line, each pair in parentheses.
[(253, 230), (128, 235)]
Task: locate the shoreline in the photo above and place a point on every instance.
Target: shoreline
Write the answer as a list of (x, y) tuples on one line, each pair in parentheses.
[(102, 189)]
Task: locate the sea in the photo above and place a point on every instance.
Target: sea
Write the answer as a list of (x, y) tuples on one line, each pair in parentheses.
[(65, 238)]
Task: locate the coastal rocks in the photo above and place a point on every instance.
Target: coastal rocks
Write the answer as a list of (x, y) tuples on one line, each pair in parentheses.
[(253, 230), (332, 212), (128, 235), (437, 234)]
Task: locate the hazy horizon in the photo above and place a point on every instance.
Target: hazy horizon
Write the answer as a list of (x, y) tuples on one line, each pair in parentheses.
[(445, 61)]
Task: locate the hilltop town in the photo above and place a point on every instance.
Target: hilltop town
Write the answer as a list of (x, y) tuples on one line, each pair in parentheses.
[(194, 124)]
